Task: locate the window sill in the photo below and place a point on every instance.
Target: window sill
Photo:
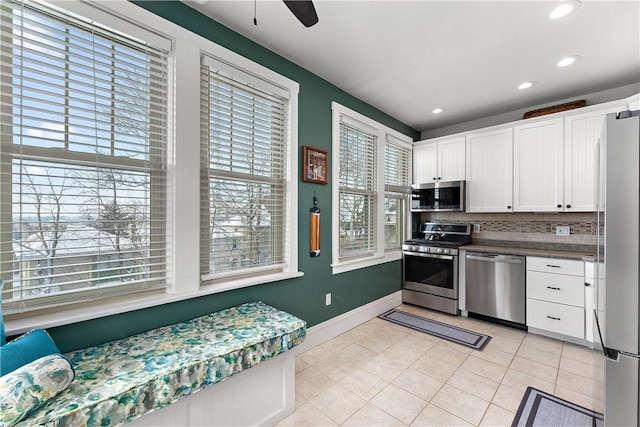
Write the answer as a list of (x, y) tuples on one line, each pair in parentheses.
[(123, 304), (343, 267)]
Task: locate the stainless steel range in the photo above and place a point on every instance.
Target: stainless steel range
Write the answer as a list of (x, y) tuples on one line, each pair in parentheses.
[(430, 268)]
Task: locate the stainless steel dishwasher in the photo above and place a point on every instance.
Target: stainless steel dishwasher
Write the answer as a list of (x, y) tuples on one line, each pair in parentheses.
[(495, 286)]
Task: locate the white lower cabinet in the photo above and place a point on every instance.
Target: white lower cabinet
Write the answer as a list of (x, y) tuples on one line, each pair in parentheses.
[(553, 317), (594, 295), (555, 296)]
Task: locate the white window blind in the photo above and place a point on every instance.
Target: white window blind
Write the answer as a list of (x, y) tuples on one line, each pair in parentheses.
[(244, 170), (396, 166), (397, 187), (82, 159), (358, 195)]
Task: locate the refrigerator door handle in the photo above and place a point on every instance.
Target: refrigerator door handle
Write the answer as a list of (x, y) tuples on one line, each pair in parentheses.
[(609, 353)]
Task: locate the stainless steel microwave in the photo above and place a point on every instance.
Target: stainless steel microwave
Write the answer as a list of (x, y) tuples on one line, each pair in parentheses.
[(438, 196)]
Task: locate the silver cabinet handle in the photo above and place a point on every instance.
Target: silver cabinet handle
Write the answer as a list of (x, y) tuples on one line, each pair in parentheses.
[(495, 258), (554, 288), (553, 318)]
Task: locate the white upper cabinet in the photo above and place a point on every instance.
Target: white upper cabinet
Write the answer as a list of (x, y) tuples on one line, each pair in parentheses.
[(425, 162), (584, 157), (439, 160), (489, 171), (538, 166), (546, 164), (451, 159)]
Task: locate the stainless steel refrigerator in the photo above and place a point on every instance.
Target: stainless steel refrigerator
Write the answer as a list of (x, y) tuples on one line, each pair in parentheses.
[(621, 326)]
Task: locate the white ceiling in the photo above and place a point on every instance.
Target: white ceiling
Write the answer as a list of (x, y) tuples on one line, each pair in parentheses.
[(408, 57)]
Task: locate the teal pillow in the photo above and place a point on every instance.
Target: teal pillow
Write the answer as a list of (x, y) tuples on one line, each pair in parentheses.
[(25, 349), (3, 336), (29, 387)]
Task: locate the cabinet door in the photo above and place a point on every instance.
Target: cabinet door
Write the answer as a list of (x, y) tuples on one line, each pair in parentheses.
[(555, 266), (489, 171), (425, 163), (558, 288), (451, 159), (594, 292), (537, 166), (558, 318), (584, 159)]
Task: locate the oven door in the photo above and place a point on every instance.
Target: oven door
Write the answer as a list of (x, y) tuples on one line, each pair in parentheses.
[(431, 273)]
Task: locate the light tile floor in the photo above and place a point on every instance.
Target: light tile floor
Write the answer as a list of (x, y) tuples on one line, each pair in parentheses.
[(382, 374)]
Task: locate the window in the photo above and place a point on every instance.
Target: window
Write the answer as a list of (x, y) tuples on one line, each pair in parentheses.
[(358, 190), (245, 162), (397, 181), (82, 158), (371, 178)]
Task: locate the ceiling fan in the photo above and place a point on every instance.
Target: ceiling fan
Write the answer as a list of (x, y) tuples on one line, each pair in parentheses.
[(304, 11)]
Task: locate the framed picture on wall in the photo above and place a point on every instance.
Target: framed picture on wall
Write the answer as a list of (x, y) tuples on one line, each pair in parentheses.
[(314, 165)]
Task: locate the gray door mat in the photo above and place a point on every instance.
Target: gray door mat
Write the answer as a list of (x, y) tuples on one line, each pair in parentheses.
[(442, 330), (540, 409)]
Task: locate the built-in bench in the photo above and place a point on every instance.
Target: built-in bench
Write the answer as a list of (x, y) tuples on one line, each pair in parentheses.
[(136, 377)]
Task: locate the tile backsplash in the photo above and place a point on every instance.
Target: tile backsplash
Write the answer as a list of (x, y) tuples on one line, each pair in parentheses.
[(523, 227)]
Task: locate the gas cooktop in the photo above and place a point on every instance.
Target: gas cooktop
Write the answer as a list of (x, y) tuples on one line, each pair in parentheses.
[(440, 235), (427, 242)]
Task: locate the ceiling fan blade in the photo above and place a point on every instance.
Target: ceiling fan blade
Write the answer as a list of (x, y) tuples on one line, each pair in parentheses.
[(304, 11)]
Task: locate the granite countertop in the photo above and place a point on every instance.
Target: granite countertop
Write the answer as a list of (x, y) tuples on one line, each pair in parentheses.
[(575, 252)]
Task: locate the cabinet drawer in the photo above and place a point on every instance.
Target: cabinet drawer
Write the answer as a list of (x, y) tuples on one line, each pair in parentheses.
[(556, 288), (558, 318), (557, 266)]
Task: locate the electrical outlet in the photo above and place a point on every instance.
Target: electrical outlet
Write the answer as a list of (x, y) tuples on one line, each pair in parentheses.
[(563, 231), (327, 299), (476, 228)]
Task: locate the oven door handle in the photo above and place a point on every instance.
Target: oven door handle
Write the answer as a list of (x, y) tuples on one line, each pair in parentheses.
[(424, 255)]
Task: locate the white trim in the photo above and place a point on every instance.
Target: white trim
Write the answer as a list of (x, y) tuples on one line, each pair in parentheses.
[(562, 114), (183, 174), (561, 337), (127, 303), (331, 328), (236, 73), (110, 14), (269, 386), (358, 263), (340, 113)]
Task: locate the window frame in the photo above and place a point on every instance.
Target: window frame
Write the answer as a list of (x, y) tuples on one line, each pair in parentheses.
[(399, 191), (379, 255), (246, 87), (182, 207), (72, 162)]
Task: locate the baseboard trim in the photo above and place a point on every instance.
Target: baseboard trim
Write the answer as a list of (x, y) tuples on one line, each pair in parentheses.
[(333, 327), (561, 337)]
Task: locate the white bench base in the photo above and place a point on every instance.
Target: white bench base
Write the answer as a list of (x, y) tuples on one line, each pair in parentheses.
[(261, 396)]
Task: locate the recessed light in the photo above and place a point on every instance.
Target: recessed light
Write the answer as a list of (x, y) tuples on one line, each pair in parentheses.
[(437, 110), (526, 85), (564, 62), (564, 8)]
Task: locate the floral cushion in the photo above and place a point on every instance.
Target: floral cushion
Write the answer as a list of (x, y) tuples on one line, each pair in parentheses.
[(121, 380), (25, 349), (27, 388)]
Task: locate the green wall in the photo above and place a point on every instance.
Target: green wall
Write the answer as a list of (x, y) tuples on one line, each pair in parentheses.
[(303, 297)]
